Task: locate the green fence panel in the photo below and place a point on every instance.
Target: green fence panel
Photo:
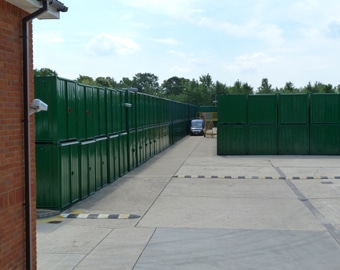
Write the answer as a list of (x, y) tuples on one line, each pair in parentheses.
[(232, 140), (262, 109), (325, 108), (324, 139), (293, 108), (262, 140), (232, 109), (293, 139)]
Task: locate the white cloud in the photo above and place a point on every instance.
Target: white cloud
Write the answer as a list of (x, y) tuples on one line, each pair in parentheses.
[(166, 41), (107, 44), (250, 63)]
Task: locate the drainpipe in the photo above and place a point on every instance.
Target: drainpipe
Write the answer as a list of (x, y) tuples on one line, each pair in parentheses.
[(26, 88)]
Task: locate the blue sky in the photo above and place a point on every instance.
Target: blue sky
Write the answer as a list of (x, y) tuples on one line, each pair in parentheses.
[(291, 40)]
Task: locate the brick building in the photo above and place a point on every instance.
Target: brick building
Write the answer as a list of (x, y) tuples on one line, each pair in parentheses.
[(17, 155)]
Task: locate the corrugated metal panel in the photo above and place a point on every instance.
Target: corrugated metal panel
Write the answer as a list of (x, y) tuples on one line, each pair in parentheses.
[(262, 140), (87, 160), (51, 126), (293, 139), (325, 108), (324, 139), (232, 109), (232, 140), (101, 162), (47, 176), (262, 109), (293, 108)]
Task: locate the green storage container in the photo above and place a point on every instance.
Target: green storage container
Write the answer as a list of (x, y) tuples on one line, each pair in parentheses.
[(293, 109), (293, 139), (325, 108), (101, 162), (87, 159), (90, 114), (324, 139), (113, 157), (132, 150), (131, 111), (232, 140), (262, 109), (206, 109), (81, 111), (262, 140), (99, 110), (52, 125), (140, 144), (232, 109), (57, 172), (109, 111), (123, 153)]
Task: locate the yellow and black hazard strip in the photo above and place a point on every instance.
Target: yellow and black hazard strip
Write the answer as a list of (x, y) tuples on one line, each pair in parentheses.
[(99, 216), (258, 177)]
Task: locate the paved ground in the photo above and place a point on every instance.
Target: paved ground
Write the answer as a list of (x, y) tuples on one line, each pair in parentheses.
[(188, 208)]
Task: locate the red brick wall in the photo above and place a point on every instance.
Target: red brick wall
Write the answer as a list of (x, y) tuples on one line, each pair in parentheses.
[(12, 178)]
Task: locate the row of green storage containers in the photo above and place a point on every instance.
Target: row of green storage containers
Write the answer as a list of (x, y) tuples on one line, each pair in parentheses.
[(68, 172), (81, 112), (279, 124), (279, 109), (314, 139)]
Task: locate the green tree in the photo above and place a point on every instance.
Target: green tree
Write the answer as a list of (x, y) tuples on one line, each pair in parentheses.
[(106, 82), (289, 88), (240, 88), (125, 82), (265, 87), (45, 72), (86, 80), (174, 86), (146, 83)]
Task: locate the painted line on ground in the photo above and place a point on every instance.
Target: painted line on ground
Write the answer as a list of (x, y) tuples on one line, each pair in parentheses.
[(99, 216), (257, 177)]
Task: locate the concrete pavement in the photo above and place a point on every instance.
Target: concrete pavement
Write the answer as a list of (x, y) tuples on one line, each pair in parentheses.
[(188, 208)]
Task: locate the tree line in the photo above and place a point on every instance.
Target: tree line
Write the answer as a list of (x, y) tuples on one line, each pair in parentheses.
[(203, 91)]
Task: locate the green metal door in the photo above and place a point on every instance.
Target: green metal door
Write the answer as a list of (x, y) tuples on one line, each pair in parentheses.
[(87, 168), (123, 153), (48, 176), (101, 162), (132, 148)]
